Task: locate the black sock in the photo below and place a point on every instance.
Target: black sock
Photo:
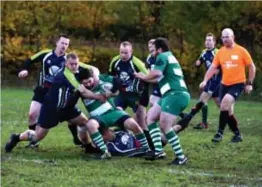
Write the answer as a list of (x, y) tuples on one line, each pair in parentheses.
[(232, 124), (223, 119), (197, 108), (32, 127), (149, 140), (17, 137), (73, 130)]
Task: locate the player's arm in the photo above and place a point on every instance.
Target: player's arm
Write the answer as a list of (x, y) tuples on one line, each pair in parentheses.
[(154, 74), (81, 88), (199, 61), (38, 57), (111, 70), (140, 65)]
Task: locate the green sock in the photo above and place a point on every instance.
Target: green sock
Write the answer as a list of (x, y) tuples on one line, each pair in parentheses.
[(204, 114), (98, 141), (173, 140), (142, 139), (155, 134)]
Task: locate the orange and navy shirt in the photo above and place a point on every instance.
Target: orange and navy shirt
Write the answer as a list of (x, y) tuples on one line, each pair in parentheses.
[(232, 62)]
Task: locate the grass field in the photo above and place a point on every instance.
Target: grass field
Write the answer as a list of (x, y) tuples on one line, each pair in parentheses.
[(58, 162)]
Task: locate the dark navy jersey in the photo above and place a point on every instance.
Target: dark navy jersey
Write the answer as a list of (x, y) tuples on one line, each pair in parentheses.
[(124, 142), (150, 62), (63, 88), (125, 70), (50, 64), (206, 58)]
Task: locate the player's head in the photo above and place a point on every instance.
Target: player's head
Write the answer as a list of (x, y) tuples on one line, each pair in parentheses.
[(62, 43), (161, 45), (210, 41), (125, 50), (72, 62), (151, 46), (86, 78), (228, 37)]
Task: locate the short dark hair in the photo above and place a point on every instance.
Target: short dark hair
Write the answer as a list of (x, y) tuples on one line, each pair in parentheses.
[(161, 43), (84, 74), (126, 43), (211, 34), (62, 35), (71, 56)]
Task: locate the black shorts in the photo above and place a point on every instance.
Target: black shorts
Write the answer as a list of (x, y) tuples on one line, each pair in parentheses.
[(235, 90), (39, 94), (212, 87), (50, 116)]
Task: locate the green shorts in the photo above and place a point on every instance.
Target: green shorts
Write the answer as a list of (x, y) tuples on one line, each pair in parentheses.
[(174, 102), (112, 118)]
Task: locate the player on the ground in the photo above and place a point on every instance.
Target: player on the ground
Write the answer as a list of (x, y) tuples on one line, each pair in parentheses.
[(55, 107), (105, 114), (232, 58), (175, 98)]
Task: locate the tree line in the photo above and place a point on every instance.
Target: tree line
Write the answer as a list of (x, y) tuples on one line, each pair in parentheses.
[(97, 27)]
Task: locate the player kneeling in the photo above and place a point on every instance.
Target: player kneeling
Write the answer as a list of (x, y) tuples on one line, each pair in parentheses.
[(105, 114)]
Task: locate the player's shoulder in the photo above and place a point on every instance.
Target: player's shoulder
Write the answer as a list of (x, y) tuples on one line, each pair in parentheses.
[(115, 58), (240, 48), (42, 52)]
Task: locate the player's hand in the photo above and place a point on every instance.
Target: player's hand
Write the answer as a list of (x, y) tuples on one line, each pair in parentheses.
[(81, 88), (202, 85), (139, 75), (101, 98), (198, 63), (22, 74), (248, 89)]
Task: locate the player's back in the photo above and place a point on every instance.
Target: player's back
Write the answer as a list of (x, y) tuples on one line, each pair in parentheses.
[(173, 78)]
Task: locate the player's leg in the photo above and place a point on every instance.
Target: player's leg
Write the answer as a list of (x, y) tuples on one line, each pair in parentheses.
[(34, 112), (168, 117), (28, 135), (153, 117), (92, 127), (225, 106), (132, 125), (235, 91), (153, 100), (204, 97)]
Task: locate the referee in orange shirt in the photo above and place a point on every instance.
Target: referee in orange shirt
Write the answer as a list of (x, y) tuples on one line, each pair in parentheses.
[(232, 58)]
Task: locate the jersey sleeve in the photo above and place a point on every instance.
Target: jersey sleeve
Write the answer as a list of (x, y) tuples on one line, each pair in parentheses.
[(71, 78), (246, 57), (38, 57), (160, 64), (216, 61), (111, 70), (140, 65), (86, 66)]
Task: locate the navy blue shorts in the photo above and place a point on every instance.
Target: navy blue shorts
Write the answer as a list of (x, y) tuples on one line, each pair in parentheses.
[(39, 94), (49, 116), (156, 91), (131, 100), (212, 87), (235, 90)]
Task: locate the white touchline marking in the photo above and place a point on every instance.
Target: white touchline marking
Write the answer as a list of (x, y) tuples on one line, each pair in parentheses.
[(53, 162), (211, 174)]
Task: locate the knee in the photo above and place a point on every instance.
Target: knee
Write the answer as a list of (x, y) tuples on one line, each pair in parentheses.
[(32, 115), (92, 126), (131, 124)]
